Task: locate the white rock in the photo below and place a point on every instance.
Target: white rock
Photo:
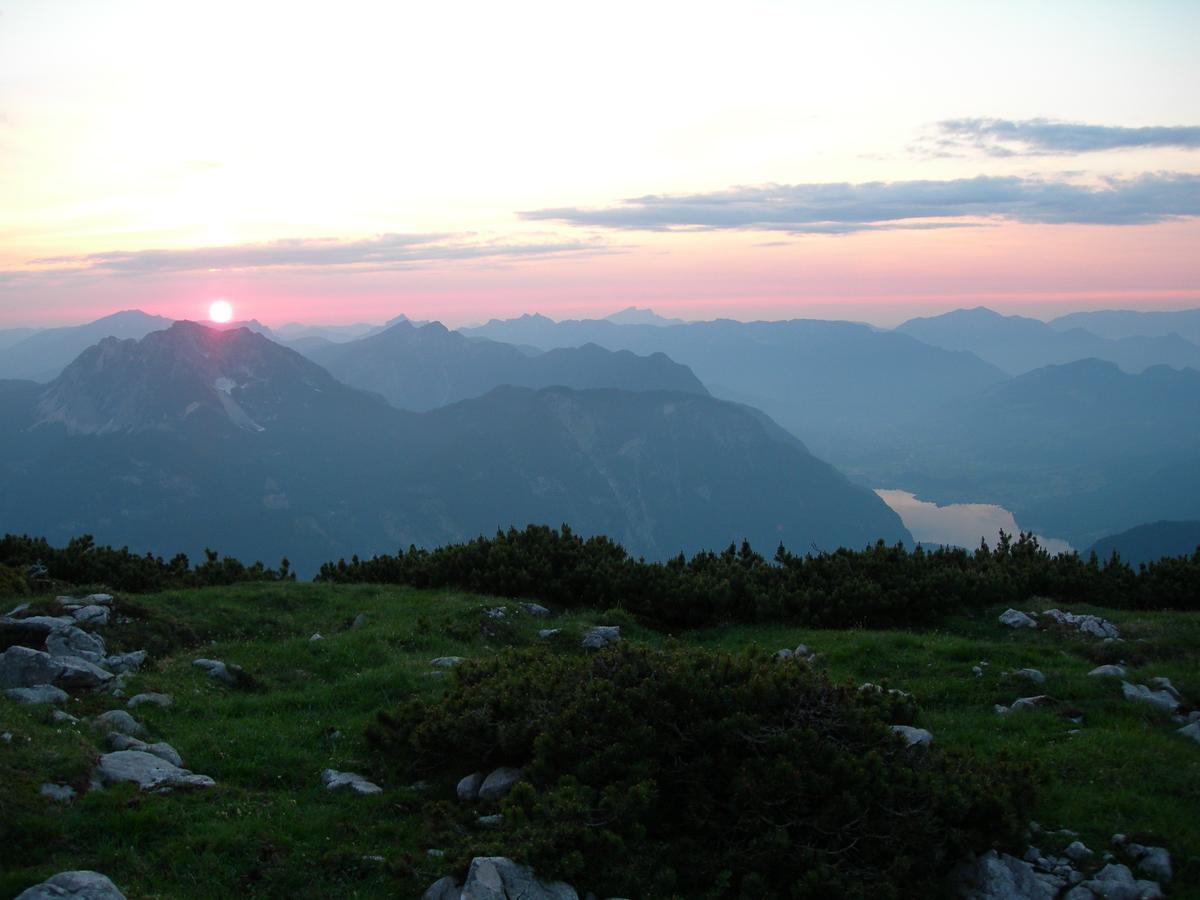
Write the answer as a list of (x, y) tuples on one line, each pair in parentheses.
[(37, 695), (785, 653), (468, 787), (914, 736), (601, 636), (447, 662), (499, 878), (63, 793), (72, 641), (498, 783), (1162, 699), (1107, 672), (162, 750), (995, 876), (147, 771), (978, 672), (1165, 685), (120, 721), (1014, 618), (79, 885), (316, 637), (1087, 624), (335, 780), (91, 615), (150, 698), (495, 820)]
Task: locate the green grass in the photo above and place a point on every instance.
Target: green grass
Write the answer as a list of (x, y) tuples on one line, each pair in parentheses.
[(270, 828)]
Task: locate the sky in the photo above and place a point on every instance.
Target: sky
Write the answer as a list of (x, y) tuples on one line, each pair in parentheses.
[(757, 159)]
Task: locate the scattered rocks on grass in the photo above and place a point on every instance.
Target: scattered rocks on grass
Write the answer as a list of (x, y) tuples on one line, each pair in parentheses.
[(150, 698), (914, 737), (1088, 624), (468, 787), (60, 793), (147, 771), (977, 671), (498, 783), (79, 885), (1162, 699), (37, 695), (1014, 618), (162, 750), (601, 636), (1107, 672), (120, 721), (335, 780)]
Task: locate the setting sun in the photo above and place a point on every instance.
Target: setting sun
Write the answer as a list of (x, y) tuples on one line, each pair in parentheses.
[(220, 311)]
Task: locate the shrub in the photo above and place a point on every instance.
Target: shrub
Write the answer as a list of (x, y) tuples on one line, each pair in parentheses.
[(661, 773), (12, 582)]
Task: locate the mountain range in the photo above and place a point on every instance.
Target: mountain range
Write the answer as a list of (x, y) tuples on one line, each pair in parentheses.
[(194, 437)]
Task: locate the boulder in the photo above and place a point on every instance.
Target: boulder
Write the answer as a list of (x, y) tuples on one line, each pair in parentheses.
[(445, 888), (1139, 692), (536, 610), (994, 876), (147, 771), (1191, 731), (162, 750), (335, 780), (79, 885), (1107, 672), (72, 641), (1014, 618), (1164, 684), (150, 698), (93, 614), (97, 600), (468, 787), (216, 669), (1078, 851), (1087, 624), (24, 667), (1154, 861), (1031, 675), (447, 662), (498, 783), (1116, 882), (914, 737), (499, 878), (62, 793), (37, 695), (118, 720), (601, 636), (125, 662)]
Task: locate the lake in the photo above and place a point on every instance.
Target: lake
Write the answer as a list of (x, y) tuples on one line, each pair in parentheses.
[(959, 524)]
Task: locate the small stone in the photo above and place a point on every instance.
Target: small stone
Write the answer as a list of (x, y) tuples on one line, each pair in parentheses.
[(1116, 882), (498, 783), (1014, 618), (914, 737), (801, 650), (125, 662), (1165, 684), (497, 612), (492, 821), (118, 720), (58, 716), (37, 695), (977, 671), (447, 662), (785, 653), (1107, 672), (999, 709), (150, 698), (217, 669), (601, 636), (78, 885), (316, 637), (1078, 851), (359, 621), (548, 632), (1031, 675), (1040, 700), (468, 787), (97, 600), (63, 793), (335, 780), (162, 750), (536, 610)]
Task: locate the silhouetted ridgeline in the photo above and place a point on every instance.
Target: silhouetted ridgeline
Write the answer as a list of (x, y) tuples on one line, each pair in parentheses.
[(82, 562), (881, 585)]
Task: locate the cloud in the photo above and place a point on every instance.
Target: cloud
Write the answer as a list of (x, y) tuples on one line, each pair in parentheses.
[(1045, 137), (843, 208), (380, 252)]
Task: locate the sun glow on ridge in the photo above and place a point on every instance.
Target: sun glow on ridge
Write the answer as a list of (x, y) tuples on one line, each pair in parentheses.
[(220, 311)]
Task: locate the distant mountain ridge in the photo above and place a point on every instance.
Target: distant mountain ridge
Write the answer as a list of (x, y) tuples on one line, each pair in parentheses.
[(1122, 323), (43, 354), (421, 368), (194, 437), (1150, 542), (1018, 344)]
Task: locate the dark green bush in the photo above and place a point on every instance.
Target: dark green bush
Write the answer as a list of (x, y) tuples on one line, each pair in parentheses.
[(700, 774), (12, 582)]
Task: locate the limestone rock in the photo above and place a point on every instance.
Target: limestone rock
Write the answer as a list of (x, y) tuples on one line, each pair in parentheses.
[(79, 885), (499, 878), (994, 876), (97, 600), (216, 669), (147, 771), (1116, 882), (445, 888), (1014, 618), (1162, 699), (149, 698), (493, 821), (1031, 675), (536, 610), (335, 780), (94, 615), (914, 737), (62, 793), (162, 750), (498, 783), (1093, 625), (24, 667), (125, 662), (118, 720), (37, 695), (1078, 851), (601, 636), (1107, 672), (1154, 861), (72, 641), (1191, 731), (468, 787)]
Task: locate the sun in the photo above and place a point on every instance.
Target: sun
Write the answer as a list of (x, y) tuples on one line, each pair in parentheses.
[(220, 311)]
